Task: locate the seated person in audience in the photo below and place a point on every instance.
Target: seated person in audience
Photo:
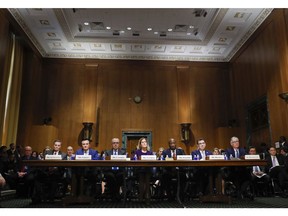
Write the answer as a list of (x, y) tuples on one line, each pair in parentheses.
[(159, 153), (27, 174), (201, 173), (114, 176), (283, 142), (35, 154), (89, 173), (276, 168), (170, 173), (143, 148), (258, 173), (216, 151)]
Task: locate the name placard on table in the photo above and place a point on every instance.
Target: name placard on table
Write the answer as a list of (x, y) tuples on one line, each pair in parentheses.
[(252, 157), (148, 157), (83, 157), (118, 157), (184, 157), (216, 157), (53, 157)]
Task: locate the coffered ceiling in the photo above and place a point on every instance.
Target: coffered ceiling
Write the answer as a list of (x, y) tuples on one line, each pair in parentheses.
[(201, 34)]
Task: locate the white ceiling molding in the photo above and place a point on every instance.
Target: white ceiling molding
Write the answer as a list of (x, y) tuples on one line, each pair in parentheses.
[(206, 34)]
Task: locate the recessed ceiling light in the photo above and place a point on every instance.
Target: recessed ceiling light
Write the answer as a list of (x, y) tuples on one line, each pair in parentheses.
[(189, 33), (191, 26), (170, 29), (149, 29), (86, 23), (122, 32), (108, 27), (155, 32), (129, 28)]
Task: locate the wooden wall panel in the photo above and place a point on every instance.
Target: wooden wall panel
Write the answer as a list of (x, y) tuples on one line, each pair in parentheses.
[(260, 70), (72, 92)]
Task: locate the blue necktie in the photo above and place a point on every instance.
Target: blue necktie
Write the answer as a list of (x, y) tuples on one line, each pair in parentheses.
[(115, 153)]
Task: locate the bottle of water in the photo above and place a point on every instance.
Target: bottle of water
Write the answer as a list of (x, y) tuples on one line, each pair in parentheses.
[(135, 157), (103, 156), (161, 157), (225, 157)]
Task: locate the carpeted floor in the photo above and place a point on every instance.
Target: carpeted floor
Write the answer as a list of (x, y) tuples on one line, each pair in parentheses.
[(258, 202)]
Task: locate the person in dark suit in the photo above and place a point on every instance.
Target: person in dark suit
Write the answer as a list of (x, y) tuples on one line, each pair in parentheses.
[(236, 175), (53, 175), (276, 168), (89, 173), (86, 150), (28, 175), (201, 173), (258, 174), (235, 152), (283, 142), (170, 173), (114, 176), (68, 171)]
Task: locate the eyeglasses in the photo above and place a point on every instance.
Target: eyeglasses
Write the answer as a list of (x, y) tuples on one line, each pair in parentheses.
[(115, 142)]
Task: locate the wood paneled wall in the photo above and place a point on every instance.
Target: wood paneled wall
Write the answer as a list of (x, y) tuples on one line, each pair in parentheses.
[(261, 70), (73, 90)]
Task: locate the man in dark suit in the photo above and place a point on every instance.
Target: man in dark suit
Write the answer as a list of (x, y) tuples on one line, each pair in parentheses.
[(276, 168), (235, 152), (89, 173), (170, 173), (53, 175), (237, 175), (114, 176), (258, 174), (283, 142), (201, 173)]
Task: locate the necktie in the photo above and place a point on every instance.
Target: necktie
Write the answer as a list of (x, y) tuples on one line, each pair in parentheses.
[(203, 155), (55, 153), (257, 169), (236, 153), (115, 153), (273, 161)]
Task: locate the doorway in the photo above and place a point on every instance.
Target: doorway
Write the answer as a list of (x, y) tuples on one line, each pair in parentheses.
[(130, 139), (258, 124)]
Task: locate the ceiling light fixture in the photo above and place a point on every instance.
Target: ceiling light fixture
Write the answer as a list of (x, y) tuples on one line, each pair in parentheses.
[(170, 29), (149, 29), (86, 23), (108, 27), (129, 28)]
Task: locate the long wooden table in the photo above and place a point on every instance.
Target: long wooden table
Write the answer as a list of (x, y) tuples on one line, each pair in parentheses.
[(147, 163), (144, 163)]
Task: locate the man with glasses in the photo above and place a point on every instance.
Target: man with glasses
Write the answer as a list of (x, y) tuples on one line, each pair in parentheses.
[(236, 175), (114, 176)]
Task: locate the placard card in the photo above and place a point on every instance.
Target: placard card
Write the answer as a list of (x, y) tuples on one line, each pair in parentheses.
[(252, 157), (148, 157), (184, 157), (118, 157), (53, 157), (83, 157), (216, 157)]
